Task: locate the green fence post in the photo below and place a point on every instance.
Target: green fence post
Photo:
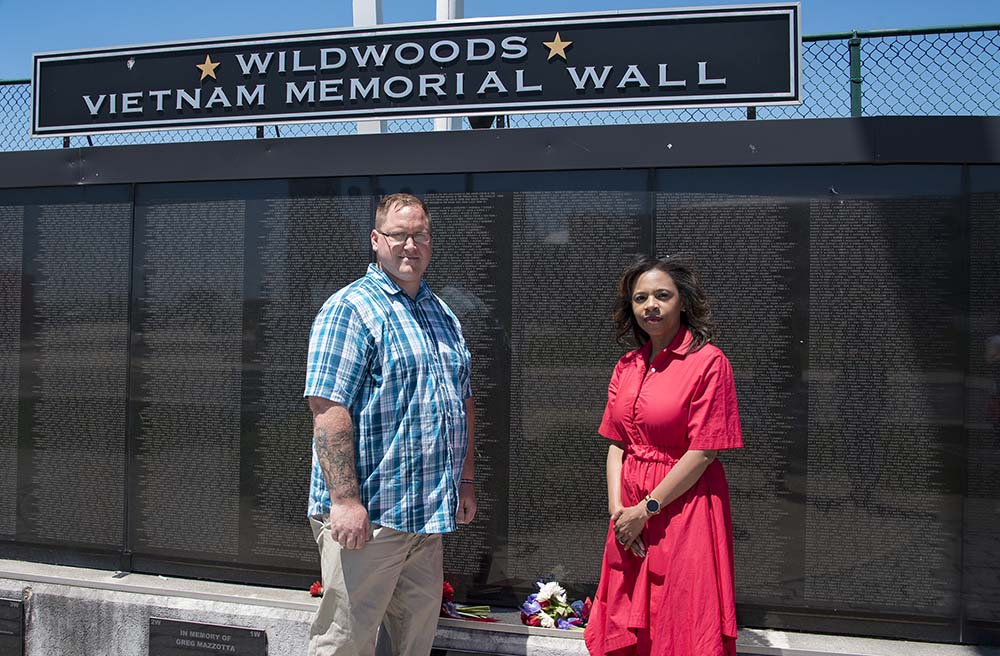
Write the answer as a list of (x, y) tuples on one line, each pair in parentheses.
[(854, 45)]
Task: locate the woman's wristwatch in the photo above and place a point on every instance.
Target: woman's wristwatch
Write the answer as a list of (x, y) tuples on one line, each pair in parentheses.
[(652, 506)]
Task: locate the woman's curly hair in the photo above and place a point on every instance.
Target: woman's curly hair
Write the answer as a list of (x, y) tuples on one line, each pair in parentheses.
[(697, 315)]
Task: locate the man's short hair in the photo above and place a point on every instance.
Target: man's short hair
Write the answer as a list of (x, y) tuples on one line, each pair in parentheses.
[(394, 201)]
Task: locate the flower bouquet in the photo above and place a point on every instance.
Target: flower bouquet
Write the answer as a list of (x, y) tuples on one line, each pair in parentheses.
[(548, 608), (450, 609)]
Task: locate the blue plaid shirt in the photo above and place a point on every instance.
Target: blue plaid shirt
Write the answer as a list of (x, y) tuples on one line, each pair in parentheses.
[(400, 365)]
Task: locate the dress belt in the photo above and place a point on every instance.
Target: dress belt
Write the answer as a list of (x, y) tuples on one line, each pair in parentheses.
[(652, 456)]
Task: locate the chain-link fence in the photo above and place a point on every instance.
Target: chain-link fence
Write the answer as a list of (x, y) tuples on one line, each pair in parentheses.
[(930, 72)]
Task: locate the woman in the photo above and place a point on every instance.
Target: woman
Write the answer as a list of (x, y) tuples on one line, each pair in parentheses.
[(667, 578)]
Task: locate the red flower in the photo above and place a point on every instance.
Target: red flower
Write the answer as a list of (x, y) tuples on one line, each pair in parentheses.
[(316, 589), (585, 615), (447, 592), (530, 620)]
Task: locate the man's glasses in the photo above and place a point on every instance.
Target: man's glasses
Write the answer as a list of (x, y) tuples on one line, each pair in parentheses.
[(399, 238)]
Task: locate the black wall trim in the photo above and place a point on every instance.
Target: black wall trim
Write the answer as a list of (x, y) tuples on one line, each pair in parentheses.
[(750, 143)]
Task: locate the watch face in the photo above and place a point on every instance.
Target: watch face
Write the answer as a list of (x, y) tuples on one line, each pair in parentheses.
[(652, 505)]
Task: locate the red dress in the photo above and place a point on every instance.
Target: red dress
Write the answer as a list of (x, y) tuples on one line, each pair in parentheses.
[(678, 600)]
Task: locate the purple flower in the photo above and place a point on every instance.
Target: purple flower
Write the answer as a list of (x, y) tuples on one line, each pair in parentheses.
[(530, 606), (563, 624), (577, 607)]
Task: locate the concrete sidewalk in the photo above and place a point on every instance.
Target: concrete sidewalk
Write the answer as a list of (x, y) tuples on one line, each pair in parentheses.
[(72, 611)]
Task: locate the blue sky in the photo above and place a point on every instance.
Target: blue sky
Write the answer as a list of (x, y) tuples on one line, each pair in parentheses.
[(29, 27)]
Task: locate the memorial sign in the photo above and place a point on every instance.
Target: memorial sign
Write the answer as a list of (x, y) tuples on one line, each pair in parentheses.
[(174, 638), (741, 55)]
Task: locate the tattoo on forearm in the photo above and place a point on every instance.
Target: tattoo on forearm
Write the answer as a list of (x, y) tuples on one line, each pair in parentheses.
[(335, 450)]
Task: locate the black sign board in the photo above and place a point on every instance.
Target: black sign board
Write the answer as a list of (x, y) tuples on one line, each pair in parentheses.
[(174, 638), (11, 627), (743, 55)]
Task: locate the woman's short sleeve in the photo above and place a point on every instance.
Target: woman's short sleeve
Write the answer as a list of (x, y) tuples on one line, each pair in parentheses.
[(714, 417), (610, 428)]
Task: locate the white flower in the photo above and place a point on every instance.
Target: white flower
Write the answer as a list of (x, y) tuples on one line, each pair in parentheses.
[(549, 590), (547, 620)]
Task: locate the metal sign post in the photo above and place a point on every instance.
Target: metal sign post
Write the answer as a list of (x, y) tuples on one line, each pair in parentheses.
[(368, 13), (449, 10)]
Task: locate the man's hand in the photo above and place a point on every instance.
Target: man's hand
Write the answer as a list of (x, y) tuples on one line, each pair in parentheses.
[(349, 524), (466, 503)]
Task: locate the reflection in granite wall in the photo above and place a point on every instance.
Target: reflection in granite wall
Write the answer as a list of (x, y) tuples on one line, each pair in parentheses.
[(568, 251), (860, 318), (291, 235), (232, 277), (982, 401), (187, 362), (11, 228), (751, 253), (468, 273), (73, 384), (885, 407)]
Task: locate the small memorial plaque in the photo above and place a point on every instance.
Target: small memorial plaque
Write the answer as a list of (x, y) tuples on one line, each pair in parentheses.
[(173, 638), (11, 628)]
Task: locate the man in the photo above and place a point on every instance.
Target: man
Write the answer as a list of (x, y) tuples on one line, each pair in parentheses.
[(388, 385)]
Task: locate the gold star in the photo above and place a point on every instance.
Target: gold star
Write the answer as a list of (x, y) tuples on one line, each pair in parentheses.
[(557, 47), (208, 68)]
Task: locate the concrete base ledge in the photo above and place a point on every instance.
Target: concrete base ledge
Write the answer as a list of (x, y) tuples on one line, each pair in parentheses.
[(72, 611)]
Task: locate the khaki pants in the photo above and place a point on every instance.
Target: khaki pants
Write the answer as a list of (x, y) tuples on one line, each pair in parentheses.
[(395, 580)]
